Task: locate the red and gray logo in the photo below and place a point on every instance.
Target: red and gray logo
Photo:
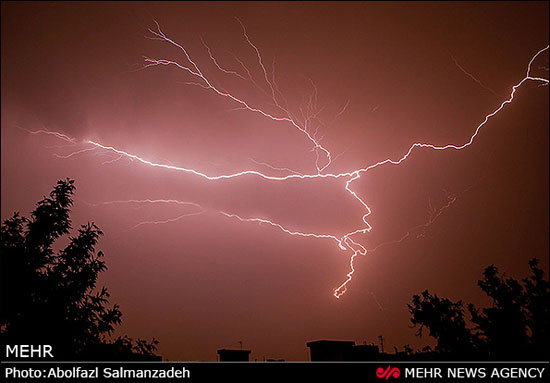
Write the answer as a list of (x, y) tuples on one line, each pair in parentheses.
[(389, 372)]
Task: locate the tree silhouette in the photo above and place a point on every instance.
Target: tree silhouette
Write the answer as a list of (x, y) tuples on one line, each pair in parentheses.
[(515, 326), (51, 298), (445, 321)]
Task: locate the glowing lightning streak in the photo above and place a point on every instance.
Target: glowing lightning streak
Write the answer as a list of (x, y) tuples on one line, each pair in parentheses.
[(282, 228), (218, 65), (474, 135), (166, 221), (275, 168), (474, 78), (112, 161), (154, 201), (259, 61), (150, 201), (44, 131), (197, 73), (342, 288), (214, 178), (434, 215), (75, 153), (345, 242)]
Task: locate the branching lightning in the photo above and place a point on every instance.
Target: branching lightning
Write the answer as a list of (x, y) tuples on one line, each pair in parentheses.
[(323, 157)]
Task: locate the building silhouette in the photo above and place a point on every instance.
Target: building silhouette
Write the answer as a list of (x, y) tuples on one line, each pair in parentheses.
[(324, 350)]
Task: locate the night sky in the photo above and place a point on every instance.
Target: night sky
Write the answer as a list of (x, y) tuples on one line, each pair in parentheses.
[(367, 79)]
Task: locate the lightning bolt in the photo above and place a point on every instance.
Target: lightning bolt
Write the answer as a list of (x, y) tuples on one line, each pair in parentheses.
[(346, 242), (154, 201), (433, 214), (59, 135), (473, 77), (75, 153), (147, 201), (170, 220), (195, 71)]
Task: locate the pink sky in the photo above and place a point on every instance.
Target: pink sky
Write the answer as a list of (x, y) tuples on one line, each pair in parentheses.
[(408, 72)]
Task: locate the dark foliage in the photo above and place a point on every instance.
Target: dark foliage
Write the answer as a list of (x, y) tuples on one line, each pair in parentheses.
[(50, 297), (515, 327)]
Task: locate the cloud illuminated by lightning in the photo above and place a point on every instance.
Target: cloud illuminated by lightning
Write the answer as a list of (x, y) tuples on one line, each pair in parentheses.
[(323, 157)]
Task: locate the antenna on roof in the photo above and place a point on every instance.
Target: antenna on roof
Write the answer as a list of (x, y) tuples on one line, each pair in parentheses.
[(381, 342)]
